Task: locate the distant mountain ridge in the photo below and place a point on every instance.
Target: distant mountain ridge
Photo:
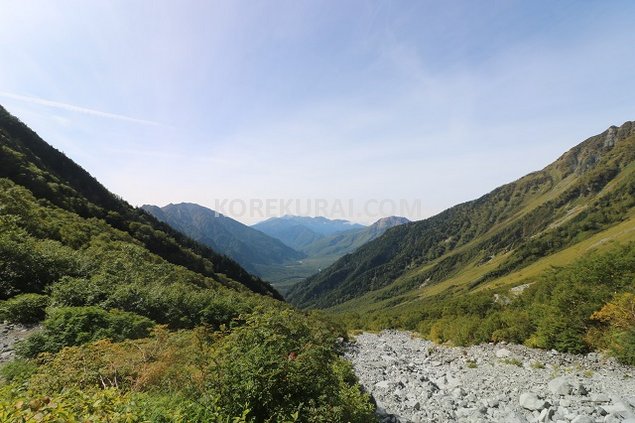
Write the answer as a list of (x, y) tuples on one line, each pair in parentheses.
[(346, 242), (589, 189), (321, 250), (246, 245), (299, 231), (264, 255)]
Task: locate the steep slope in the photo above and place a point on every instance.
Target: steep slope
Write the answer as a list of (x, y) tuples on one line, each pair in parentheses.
[(29, 161), (586, 191), (299, 231), (247, 246)]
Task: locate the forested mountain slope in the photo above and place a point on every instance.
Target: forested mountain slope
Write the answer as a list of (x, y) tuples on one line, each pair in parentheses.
[(139, 323), (323, 251), (247, 246), (29, 161), (589, 189)]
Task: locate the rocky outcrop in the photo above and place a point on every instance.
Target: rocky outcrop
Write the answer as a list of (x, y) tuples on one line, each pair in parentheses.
[(414, 380), (9, 335)]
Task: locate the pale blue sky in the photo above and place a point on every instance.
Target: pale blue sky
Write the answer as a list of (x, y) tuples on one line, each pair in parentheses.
[(169, 101)]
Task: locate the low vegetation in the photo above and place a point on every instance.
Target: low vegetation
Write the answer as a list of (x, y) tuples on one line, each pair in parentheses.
[(577, 308), (276, 366), (140, 324)]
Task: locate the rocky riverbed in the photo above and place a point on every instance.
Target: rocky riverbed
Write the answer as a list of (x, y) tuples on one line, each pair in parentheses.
[(414, 380)]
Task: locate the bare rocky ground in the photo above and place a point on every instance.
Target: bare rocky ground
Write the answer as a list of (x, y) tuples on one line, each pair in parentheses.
[(9, 335), (414, 380)]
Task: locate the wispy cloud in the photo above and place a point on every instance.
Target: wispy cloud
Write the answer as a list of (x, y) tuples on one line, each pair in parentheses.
[(77, 109)]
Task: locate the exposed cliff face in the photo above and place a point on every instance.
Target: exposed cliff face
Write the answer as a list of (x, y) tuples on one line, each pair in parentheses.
[(388, 222)]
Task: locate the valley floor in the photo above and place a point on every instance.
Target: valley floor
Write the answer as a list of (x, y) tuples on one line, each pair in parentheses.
[(415, 380)]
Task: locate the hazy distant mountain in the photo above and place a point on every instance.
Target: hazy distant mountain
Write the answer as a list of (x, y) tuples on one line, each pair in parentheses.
[(346, 242), (246, 245), (325, 249), (299, 231)]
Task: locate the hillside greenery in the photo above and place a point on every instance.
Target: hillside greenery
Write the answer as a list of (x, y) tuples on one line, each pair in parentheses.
[(324, 251), (590, 189), (50, 176), (548, 261), (141, 324), (589, 304)]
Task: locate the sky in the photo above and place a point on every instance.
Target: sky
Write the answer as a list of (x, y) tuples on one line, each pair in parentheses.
[(260, 108)]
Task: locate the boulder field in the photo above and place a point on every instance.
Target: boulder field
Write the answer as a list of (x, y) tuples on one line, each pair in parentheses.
[(414, 380)]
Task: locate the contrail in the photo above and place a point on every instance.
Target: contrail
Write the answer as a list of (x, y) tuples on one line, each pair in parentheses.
[(70, 107)]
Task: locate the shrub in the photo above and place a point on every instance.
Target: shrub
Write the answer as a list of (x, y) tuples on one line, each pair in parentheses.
[(24, 308), (278, 367), (618, 316), (77, 325), (105, 405), (280, 363)]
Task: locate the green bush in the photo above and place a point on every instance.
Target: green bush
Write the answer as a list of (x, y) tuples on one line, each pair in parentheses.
[(24, 308), (77, 325), (279, 364)]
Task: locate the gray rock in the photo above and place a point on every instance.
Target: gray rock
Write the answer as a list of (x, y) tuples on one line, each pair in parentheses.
[(530, 401), (503, 353), (560, 386), (583, 419), (612, 418), (600, 398), (514, 417), (384, 384), (437, 378), (546, 415), (579, 389)]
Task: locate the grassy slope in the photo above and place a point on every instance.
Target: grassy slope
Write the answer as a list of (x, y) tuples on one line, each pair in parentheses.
[(536, 207), (378, 301)]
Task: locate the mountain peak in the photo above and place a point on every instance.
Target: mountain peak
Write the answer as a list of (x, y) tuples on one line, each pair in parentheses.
[(249, 247)]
